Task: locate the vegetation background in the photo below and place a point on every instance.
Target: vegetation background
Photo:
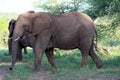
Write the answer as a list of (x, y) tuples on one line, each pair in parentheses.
[(106, 15)]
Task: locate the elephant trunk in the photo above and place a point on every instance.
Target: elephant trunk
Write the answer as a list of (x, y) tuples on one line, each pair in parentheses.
[(15, 48), (9, 46)]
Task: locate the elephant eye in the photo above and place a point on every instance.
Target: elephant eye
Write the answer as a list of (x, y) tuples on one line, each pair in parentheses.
[(25, 27)]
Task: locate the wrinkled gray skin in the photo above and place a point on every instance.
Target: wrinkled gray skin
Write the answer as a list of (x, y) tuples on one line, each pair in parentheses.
[(67, 31), (27, 41)]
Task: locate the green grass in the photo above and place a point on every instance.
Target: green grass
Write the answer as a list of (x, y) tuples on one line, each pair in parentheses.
[(20, 72), (67, 67)]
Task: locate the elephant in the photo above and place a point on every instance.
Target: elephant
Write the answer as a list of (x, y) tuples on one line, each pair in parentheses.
[(65, 31), (27, 41)]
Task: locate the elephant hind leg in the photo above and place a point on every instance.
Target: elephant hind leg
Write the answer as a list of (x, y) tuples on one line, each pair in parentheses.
[(84, 47), (84, 50), (95, 58), (50, 56), (84, 59)]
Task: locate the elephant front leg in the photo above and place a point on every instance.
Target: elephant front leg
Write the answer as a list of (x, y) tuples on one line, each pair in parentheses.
[(41, 44), (84, 59), (50, 56), (37, 61), (38, 57)]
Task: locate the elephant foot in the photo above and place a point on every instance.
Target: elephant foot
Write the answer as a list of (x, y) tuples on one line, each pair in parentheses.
[(37, 69), (82, 65), (54, 66), (54, 70), (99, 64)]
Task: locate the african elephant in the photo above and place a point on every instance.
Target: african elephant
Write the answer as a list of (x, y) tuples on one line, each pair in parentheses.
[(66, 31), (27, 41)]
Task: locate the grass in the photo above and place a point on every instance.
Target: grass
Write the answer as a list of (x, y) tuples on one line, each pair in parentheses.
[(67, 67)]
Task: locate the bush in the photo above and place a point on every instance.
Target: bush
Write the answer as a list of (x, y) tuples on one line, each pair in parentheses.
[(4, 33)]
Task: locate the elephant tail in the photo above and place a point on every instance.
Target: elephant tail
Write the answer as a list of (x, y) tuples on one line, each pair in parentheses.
[(96, 39)]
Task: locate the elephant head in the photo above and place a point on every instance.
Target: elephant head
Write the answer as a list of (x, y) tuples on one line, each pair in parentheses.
[(11, 29), (28, 24)]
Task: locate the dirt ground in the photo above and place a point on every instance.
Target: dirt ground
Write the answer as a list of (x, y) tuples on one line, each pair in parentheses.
[(43, 75), (2, 73)]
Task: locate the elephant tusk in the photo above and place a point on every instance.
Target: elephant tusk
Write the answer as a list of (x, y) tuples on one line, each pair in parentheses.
[(10, 38), (17, 38)]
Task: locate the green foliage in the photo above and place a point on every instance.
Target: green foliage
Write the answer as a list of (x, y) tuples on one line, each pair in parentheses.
[(3, 24), (4, 21), (102, 7), (94, 8), (4, 33), (59, 7), (8, 16), (108, 28), (4, 55)]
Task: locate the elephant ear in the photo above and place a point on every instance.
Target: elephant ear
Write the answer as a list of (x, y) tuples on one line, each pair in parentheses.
[(41, 23), (11, 27)]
